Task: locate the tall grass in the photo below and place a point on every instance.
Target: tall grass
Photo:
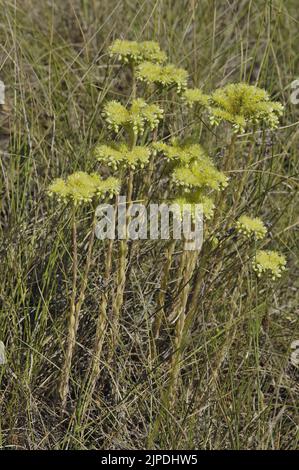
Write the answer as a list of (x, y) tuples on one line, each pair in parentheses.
[(237, 388)]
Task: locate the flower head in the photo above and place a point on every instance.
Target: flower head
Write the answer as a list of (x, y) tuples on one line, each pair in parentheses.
[(199, 175), (116, 155), (162, 75), (244, 105), (59, 188), (271, 262), (183, 153), (136, 116), (135, 52), (116, 115), (192, 96), (193, 167), (251, 227), (110, 186), (81, 187), (190, 201)]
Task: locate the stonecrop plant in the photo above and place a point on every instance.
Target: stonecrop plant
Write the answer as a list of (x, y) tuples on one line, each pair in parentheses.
[(77, 189), (163, 76), (145, 161), (81, 187), (269, 262), (133, 119), (251, 227), (133, 52), (244, 106)]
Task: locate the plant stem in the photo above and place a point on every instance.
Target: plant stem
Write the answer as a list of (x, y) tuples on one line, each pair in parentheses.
[(93, 371), (221, 202), (231, 153), (121, 273), (245, 176), (148, 177), (123, 245), (189, 262), (72, 323), (163, 288), (102, 318), (86, 271), (75, 309)]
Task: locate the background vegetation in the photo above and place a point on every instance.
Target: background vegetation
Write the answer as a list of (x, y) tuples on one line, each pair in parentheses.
[(238, 388)]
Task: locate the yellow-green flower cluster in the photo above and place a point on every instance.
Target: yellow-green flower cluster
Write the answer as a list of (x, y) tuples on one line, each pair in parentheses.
[(162, 75), (116, 115), (194, 168), (136, 52), (135, 117), (81, 187), (244, 105), (184, 154), (193, 96), (269, 262), (198, 175), (116, 155), (251, 227), (190, 201)]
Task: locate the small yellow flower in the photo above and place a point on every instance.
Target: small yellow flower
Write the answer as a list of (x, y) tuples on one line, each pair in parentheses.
[(116, 155), (59, 188), (191, 200), (136, 116), (81, 187), (110, 186), (184, 154), (199, 175), (194, 168), (134, 52), (267, 261), (193, 96), (244, 105), (251, 227), (115, 114), (162, 75)]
